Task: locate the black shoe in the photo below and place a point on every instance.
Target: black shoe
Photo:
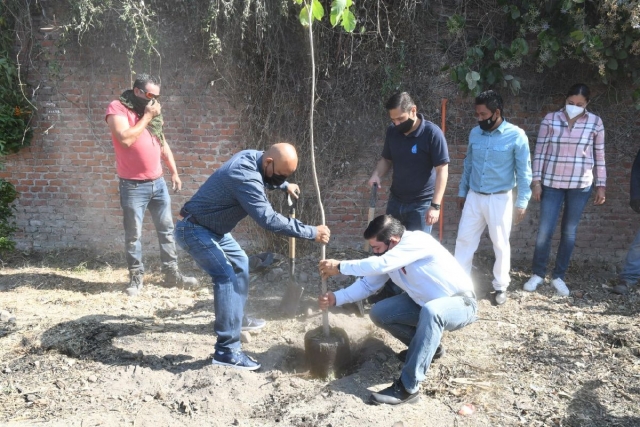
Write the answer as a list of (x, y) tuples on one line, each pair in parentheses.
[(252, 324), (621, 287), (500, 297), (440, 351), (235, 359), (136, 280), (173, 277), (395, 394)]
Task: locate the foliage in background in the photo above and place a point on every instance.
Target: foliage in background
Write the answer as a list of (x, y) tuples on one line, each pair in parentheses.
[(7, 227), (15, 109), (137, 22), (252, 52), (16, 113), (601, 35)]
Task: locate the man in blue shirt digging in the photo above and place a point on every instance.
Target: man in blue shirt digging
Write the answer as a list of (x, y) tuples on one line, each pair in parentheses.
[(234, 191)]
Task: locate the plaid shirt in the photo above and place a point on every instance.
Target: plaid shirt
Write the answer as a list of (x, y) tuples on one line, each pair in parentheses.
[(565, 158)]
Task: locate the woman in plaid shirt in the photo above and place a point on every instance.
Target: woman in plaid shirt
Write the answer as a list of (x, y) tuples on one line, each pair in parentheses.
[(570, 143)]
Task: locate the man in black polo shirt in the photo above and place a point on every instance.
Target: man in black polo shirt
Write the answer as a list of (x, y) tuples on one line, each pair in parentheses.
[(417, 151)]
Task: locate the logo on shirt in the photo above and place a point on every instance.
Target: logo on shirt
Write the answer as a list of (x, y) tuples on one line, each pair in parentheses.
[(414, 149)]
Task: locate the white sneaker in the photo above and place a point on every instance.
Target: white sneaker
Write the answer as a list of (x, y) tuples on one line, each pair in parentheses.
[(561, 287), (533, 283)]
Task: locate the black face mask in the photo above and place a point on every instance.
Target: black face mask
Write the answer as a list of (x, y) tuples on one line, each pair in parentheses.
[(405, 126), (487, 124), (275, 179), (386, 250), (139, 104)]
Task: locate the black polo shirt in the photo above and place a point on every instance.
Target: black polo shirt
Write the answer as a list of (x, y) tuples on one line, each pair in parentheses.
[(414, 156)]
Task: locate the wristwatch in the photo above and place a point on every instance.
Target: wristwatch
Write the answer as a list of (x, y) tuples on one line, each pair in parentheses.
[(435, 206)]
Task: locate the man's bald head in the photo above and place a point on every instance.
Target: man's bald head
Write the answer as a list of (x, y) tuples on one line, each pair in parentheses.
[(284, 158)]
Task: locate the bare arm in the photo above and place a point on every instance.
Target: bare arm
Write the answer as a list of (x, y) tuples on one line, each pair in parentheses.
[(442, 174), (167, 156), (128, 135), (383, 166)]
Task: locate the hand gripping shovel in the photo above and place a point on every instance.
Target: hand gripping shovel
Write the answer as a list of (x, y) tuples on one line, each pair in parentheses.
[(372, 210), (291, 299)]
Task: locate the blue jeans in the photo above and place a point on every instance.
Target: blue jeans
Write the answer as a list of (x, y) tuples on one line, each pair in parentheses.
[(411, 215), (551, 202), (421, 328), (135, 198), (631, 270), (223, 259)]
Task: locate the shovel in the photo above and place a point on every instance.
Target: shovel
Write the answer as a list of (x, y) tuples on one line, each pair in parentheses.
[(372, 210), (291, 299)]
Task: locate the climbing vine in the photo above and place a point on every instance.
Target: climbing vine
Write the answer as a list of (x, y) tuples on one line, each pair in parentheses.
[(16, 113), (602, 35)]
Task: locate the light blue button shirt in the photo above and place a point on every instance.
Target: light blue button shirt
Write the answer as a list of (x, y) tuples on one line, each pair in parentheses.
[(496, 161)]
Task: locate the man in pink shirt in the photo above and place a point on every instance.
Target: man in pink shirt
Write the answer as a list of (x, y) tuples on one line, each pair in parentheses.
[(135, 122)]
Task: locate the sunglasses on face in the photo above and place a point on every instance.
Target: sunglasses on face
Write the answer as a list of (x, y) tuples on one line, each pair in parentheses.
[(149, 95)]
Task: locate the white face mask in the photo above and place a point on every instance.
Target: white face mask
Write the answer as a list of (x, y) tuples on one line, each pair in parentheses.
[(573, 110)]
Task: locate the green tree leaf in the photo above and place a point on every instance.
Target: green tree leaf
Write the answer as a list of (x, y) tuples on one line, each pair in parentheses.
[(337, 9), (621, 54), (577, 35), (348, 21), (519, 46), (317, 9), (304, 16), (612, 64)]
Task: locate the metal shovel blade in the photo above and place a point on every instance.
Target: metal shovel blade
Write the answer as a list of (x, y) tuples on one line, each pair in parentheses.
[(293, 294)]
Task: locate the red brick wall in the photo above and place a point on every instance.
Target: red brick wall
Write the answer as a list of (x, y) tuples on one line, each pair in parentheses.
[(68, 185)]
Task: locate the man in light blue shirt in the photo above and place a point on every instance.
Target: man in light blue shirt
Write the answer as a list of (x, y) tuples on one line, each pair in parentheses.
[(498, 159)]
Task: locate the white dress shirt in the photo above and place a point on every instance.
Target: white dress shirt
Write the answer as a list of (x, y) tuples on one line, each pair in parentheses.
[(418, 264)]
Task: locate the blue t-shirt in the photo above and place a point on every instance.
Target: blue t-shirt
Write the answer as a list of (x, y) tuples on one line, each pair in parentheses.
[(414, 156)]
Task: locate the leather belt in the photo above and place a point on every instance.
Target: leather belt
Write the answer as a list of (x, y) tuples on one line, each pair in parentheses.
[(490, 194), (139, 181), (188, 217)]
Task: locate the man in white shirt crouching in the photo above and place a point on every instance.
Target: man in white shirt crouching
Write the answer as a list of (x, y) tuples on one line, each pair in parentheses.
[(438, 297)]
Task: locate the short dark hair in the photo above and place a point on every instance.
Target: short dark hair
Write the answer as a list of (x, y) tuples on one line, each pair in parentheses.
[(383, 228), (579, 89), (143, 79), (402, 100), (492, 100)]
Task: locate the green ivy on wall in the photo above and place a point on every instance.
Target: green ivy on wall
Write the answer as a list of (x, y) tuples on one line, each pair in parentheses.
[(604, 35), (16, 113)]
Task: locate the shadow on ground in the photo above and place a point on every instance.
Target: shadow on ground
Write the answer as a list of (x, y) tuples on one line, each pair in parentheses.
[(585, 410), (92, 337)]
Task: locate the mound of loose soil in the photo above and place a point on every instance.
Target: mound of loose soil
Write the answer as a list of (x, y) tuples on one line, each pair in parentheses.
[(81, 353)]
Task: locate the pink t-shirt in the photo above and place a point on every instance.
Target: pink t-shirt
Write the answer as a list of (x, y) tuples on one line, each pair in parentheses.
[(142, 160)]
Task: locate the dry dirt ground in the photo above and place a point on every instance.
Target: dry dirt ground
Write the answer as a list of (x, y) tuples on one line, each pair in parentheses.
[(82, 353)]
